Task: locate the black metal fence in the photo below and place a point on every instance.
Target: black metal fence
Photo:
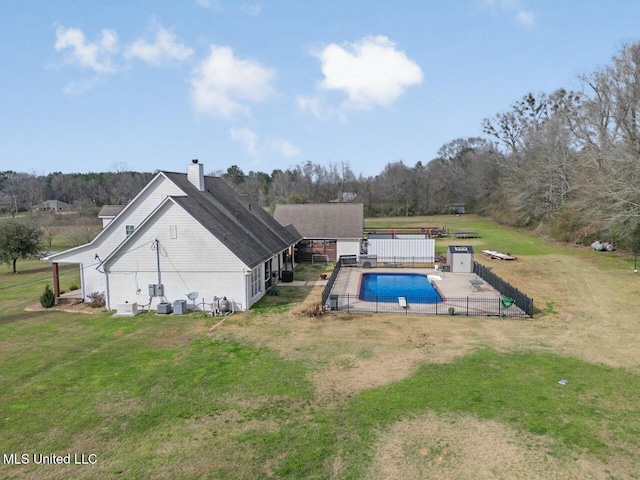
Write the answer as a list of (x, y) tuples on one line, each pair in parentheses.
[(331, 281), (463, 306), (512, 304), (523, 302)]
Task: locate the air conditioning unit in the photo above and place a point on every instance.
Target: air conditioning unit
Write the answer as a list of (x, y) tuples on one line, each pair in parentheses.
[(164, 308), (180, 307), (368, 261)]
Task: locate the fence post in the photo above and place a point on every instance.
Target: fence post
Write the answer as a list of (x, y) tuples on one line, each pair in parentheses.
[(467, 305), (348, 302), (376, 303)]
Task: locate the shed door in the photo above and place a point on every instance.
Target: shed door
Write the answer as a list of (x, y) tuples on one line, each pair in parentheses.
[(462, 263)]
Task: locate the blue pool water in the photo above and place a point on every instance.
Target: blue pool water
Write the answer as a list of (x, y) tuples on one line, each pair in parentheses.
[(387, 287)]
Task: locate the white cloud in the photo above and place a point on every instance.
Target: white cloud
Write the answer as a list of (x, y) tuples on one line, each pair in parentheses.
[(164, 49), (522, 16), (310, 104), (96, 56), (284, 148), (251, 10), (212, 4), (74, 89), (256, 148), (223, 84), (527, 19), (247, 137), (371, 72)]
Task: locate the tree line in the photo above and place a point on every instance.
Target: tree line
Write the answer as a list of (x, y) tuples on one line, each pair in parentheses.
[(566, 163)]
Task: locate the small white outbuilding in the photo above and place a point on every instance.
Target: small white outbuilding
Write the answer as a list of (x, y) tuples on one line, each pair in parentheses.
[(460, 258)]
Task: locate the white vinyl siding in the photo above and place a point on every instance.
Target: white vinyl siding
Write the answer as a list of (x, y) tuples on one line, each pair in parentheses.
[(196, 249), (348, 247), (195, 261), (402, 249)]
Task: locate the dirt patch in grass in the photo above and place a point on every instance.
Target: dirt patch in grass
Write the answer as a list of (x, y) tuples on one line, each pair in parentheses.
[(66, 305), (464, 447), (353, 353)]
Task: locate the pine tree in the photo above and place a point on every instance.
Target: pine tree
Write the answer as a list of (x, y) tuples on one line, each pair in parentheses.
[(47, 299)]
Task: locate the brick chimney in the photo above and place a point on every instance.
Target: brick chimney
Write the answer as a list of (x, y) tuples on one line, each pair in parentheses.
[(195, 174)]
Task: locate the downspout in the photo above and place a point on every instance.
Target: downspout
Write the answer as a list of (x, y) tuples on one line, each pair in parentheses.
[(56, 281), (247, 288), (158, 260), (82, 281), (107, 296)]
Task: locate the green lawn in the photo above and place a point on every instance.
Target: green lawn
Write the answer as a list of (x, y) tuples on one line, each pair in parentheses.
[(146, 395), (492, 235), (166, 397)]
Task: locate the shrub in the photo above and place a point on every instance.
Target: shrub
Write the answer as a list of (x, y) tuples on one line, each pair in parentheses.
[(315, 310), (47, 299), (96, 300)]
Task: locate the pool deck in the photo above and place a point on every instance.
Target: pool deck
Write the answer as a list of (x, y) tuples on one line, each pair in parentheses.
[(463, 294), (450, 284)]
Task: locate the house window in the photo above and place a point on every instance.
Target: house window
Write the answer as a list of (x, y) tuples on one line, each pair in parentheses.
[(256, 282), (129, 229), (173, 231)]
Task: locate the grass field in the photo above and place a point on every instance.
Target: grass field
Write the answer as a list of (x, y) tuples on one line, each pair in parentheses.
[(271, 393)]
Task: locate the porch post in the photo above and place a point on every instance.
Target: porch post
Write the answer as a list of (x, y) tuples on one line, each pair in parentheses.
[(56, 281)]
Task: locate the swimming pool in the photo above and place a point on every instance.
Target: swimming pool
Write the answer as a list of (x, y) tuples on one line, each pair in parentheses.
[(387, 287)]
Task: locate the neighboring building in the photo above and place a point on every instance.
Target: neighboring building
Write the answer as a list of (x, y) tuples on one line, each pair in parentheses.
[(108, 213), (346, 197), (331, 229), (54, 206), (184, 233), (456, 208), (460, 258)]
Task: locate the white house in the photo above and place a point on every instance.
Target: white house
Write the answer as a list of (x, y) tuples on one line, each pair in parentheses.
[(185, 233), (331, 229)]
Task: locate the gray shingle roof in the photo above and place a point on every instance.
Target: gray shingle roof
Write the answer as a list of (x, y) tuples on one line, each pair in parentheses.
[(242, 226), (110, 210), (323, 220)]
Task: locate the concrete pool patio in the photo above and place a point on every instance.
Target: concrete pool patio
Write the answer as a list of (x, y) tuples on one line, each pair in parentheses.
[(465, 293)]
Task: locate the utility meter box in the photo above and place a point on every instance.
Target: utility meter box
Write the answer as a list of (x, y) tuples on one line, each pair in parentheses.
[(156, 290)]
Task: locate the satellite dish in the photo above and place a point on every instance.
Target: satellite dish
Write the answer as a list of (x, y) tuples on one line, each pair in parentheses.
[(192, 296)]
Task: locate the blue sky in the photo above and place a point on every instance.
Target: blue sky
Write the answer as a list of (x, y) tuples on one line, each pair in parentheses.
[(148, 85)]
